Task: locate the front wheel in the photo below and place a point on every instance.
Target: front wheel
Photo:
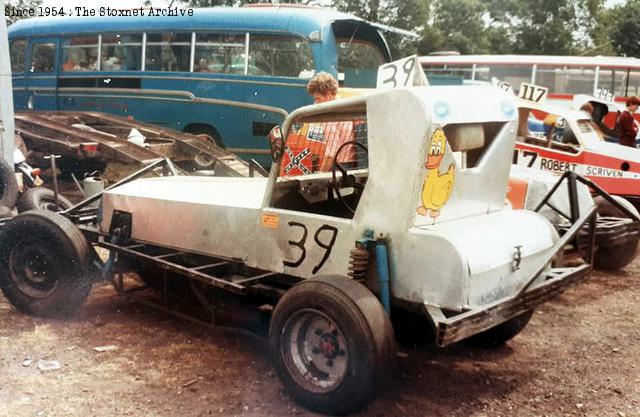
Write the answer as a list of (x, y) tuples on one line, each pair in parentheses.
[(332, 344), (45, 264)]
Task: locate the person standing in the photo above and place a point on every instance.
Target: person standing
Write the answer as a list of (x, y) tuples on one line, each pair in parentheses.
[(311, 147), (626, 126)]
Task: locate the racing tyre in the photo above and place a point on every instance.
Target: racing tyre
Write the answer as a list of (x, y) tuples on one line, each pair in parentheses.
[(45, 264), (615, 257), (5, 212), (8, 185), (41, 199), (501, 333), (332, 344)]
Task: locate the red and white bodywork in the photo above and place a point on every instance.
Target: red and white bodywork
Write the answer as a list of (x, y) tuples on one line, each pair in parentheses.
[(614, 167)]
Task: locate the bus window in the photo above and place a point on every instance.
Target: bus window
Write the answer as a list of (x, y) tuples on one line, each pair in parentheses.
[(43, 57), (615, 80), (512, 74), (80, 54), (566, 80), (168, 52), (121, 52), (358, 55), (464, 72), (278, 55), (16, 51), (220, 53), (634, 84)]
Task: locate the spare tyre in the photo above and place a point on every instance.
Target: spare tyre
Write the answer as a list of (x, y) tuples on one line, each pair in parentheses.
[(8, 185), (41, 198)]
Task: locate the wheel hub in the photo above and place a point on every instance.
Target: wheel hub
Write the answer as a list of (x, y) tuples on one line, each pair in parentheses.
[(33, 269), (315, 350)]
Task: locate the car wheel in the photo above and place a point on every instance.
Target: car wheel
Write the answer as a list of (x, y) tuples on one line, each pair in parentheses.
[(45, 264), (332, 344), (41, 198), (615, 257), (8, 185)]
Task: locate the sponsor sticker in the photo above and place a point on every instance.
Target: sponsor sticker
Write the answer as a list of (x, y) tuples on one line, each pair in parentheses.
[(270, 220)]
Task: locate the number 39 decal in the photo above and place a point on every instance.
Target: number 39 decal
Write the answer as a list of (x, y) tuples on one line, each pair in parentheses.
[(401, 73), (325, 237)]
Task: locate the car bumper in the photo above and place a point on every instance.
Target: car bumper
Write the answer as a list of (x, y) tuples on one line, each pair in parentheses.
[(450, 330)]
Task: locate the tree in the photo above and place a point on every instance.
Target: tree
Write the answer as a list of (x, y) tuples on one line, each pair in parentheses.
[(623, 24), (456, 26), (404, 14), (21, 5)]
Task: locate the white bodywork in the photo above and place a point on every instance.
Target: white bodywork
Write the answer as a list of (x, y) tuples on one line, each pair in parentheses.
[(462, 259), (540, 183)]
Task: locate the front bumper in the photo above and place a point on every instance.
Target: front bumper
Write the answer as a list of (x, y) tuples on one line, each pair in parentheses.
[(450, 330)]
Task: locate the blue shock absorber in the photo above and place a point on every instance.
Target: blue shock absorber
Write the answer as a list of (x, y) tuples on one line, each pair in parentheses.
[(382, 264)]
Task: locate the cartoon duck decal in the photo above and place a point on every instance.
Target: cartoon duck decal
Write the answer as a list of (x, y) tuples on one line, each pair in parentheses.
[(437, 187)]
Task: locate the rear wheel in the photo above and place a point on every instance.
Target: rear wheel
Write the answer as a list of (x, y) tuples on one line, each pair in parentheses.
[(501, 333), (45, 264), (615, 257), (332, 344)]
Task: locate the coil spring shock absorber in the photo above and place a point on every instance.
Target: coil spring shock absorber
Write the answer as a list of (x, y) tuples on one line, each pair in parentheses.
[(359, 262)]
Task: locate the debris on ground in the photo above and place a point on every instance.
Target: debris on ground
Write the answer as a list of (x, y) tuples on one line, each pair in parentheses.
[(44, 365), (108, 348)]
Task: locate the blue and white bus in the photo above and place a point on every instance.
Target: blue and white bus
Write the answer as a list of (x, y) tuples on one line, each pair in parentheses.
[(229, 73)]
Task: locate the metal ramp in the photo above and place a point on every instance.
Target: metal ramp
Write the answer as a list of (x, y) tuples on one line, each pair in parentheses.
[(93, 135)]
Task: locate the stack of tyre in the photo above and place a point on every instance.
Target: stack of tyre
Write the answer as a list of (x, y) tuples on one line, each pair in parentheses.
[(29, 199)]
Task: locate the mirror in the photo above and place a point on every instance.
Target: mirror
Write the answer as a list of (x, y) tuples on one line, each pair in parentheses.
[(276, 142)]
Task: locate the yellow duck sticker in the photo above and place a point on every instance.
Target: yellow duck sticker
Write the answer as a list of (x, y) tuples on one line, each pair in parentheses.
[(437, 187)]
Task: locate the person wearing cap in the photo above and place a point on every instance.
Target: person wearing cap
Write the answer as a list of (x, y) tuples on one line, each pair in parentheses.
[(626, 126)]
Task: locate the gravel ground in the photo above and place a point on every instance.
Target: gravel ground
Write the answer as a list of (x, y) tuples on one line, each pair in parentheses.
[(579, 356)]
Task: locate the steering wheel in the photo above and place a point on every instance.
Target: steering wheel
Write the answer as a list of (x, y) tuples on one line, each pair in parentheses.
[(346, 180)]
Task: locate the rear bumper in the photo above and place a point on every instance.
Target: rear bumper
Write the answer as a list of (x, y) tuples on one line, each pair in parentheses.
[(453, 329)]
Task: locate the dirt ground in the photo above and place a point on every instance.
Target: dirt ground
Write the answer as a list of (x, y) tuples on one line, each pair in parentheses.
[(579, 356)]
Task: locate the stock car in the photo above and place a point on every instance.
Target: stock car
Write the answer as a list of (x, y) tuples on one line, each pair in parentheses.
[(416, 233), (570, 141)]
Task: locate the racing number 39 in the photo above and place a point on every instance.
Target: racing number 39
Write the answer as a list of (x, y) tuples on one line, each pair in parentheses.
[(325, 238), (394, 80)]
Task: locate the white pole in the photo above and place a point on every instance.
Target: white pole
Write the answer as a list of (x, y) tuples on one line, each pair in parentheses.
[(6, 97)]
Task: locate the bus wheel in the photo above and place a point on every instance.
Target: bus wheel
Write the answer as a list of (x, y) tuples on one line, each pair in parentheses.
[(332, 344), (45, 264), (8, 185), (501, 333), (209, 135), (614, 257)]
